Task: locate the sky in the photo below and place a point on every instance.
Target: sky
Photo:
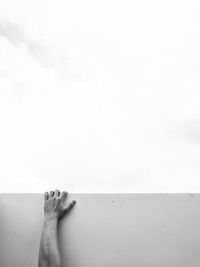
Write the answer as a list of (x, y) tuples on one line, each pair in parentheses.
[(99, 96)]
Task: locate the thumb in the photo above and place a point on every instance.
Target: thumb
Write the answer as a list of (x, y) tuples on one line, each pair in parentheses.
[(68, 208)]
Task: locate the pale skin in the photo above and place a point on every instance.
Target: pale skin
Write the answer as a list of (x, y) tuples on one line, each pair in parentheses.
[(54, 210)]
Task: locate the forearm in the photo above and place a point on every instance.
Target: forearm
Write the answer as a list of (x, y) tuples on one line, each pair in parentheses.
[(49, 255)]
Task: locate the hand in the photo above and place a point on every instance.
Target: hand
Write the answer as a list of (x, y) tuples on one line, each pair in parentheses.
[(54, 206)]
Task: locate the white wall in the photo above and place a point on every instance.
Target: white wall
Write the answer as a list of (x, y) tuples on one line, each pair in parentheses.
[(99, 96), (142, 230)]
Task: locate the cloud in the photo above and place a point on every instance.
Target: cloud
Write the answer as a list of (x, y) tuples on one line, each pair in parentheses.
[(42, 53)]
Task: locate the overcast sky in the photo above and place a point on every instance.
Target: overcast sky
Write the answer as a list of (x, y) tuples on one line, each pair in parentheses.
[(100, 96)]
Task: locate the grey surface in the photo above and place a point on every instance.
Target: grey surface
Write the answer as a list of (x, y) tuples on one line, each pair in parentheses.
[(112, 230)]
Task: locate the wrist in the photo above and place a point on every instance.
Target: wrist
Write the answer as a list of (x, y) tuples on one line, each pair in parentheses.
[(51, 216), (51, 220)]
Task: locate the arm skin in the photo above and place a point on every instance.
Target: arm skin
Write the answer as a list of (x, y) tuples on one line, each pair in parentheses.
[(54, 210)]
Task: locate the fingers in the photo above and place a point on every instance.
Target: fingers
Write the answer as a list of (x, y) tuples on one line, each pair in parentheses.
[(46, 196), (64, 196), (61, 196), (57, 193), (51, 194)]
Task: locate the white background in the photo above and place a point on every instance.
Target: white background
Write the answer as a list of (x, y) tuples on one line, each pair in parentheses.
[(99, 96)]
